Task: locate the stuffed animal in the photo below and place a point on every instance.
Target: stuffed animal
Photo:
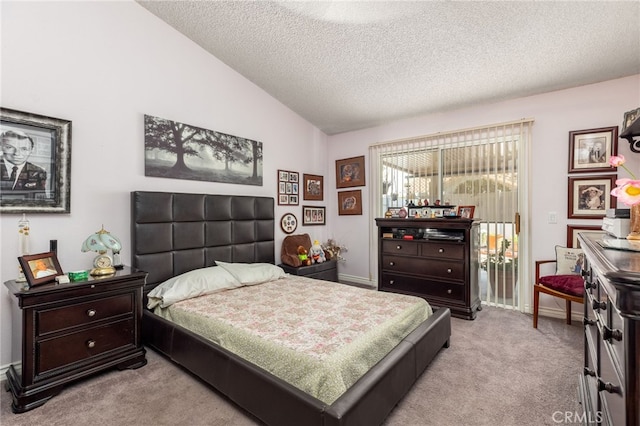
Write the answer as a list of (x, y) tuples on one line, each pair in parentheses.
[(303, 256), (316, 252)]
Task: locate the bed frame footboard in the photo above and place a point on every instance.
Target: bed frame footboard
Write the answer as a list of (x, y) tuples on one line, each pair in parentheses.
[(274, 401)]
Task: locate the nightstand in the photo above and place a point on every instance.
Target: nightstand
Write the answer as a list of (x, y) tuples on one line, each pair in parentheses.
[(70, 331), (327, 271)]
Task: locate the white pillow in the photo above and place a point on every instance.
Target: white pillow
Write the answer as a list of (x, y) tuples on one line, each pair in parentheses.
[(569, 260), (253, 273), (191, 284)]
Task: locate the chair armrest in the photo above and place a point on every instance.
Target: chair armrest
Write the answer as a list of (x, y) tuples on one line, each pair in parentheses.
[(541, 262)]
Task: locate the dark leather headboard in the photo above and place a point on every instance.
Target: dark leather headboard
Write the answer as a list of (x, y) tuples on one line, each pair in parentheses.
[(173, 233)]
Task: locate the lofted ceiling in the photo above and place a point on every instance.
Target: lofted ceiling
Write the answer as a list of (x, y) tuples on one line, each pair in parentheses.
[(346, 66)]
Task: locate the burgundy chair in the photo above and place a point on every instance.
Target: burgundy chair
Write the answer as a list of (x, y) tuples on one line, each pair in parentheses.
[(568, 287)]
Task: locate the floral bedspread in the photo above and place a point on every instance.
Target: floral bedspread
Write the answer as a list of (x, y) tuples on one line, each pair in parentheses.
[(317, 335)]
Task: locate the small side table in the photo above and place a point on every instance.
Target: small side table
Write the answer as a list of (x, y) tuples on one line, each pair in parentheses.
[(70, 331), (327, 271)]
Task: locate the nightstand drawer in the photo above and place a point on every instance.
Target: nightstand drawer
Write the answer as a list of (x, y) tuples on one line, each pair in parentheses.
[(67, 349), (49, 321)]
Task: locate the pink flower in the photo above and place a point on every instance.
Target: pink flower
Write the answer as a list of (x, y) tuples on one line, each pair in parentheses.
[(627, 190), (616, 160)]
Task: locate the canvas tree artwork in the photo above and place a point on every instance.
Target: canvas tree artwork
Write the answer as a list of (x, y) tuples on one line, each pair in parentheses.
[(182, 151)]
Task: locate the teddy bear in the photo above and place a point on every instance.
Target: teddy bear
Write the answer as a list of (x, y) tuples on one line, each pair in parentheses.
[(303, 256), (317, 253)]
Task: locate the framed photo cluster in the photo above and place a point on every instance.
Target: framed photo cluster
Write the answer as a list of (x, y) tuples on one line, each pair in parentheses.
[(589, 153), (350, 172), (590, 179), (288, 188)]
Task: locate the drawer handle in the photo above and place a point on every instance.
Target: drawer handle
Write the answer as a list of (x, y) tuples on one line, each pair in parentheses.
[(609, 387), (91, 313), (398, 247), (449, 271), (392, 282), (441, 250), (608, 334), (589, 372), (449, 291), (589, 284), (392, 263), (587, 321), (597, 305), (91, 343)]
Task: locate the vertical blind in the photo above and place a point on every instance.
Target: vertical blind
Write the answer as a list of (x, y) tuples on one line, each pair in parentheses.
[(472, 167)]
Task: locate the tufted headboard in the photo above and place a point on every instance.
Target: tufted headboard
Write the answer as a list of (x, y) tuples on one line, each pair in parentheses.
[(173, 233)]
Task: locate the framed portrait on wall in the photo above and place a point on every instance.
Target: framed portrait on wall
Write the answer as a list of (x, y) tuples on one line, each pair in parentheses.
[(590, 196), (313, 215), (350, 172), (36, 166), (574, 230), (589, 150), (313, 187), (350, 202)]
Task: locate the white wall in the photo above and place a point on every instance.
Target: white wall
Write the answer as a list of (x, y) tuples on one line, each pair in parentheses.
[(103, 65), (555, 114)]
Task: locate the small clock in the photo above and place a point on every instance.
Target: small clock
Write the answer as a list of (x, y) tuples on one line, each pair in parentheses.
[(103, 265), (288, 223)]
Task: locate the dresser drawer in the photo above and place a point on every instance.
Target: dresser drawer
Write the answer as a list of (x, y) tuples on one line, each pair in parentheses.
[(402, 247), (451, 291), (609, 386), (51, 320), (443, 250), (67, 349), (450, 270)]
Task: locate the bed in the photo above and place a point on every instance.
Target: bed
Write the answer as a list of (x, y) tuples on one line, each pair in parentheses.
[(174, 233)]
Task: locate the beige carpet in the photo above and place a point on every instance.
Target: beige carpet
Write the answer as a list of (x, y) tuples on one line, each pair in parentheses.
[(498, 371)]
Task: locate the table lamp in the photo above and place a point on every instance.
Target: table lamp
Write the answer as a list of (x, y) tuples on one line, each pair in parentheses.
[(101, 242)]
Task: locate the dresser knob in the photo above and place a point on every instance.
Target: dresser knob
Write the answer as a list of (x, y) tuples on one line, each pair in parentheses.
[(608, 334), (449, 291), (606, 386), (91, 343), (589, 372), (391, 282), (441, 250), (597, 305), (391, 263), (449, 271), (398, 247), (590, 284), (91, 312), (587, 321)]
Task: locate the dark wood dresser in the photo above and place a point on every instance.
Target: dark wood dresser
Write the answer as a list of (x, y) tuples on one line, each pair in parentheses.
[(609, 386), (69, 331), (436, 259)]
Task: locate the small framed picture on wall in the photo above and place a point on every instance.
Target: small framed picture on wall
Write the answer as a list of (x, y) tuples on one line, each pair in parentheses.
[(288, 188), (313, 187), (590, 196), (589, 150)]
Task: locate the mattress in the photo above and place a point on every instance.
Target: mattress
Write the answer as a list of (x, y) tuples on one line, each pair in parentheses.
[(319, 336)]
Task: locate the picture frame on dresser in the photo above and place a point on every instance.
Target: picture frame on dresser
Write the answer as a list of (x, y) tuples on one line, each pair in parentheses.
[(590, 196), (41, 268), (43, 181), (590, 150)]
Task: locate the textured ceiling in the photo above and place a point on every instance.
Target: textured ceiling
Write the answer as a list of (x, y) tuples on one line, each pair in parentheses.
[(350, 65)]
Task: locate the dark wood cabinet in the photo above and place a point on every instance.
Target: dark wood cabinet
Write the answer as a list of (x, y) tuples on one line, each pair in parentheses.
[(609, 388), (69, 331), (327, 271), (436, 259)]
